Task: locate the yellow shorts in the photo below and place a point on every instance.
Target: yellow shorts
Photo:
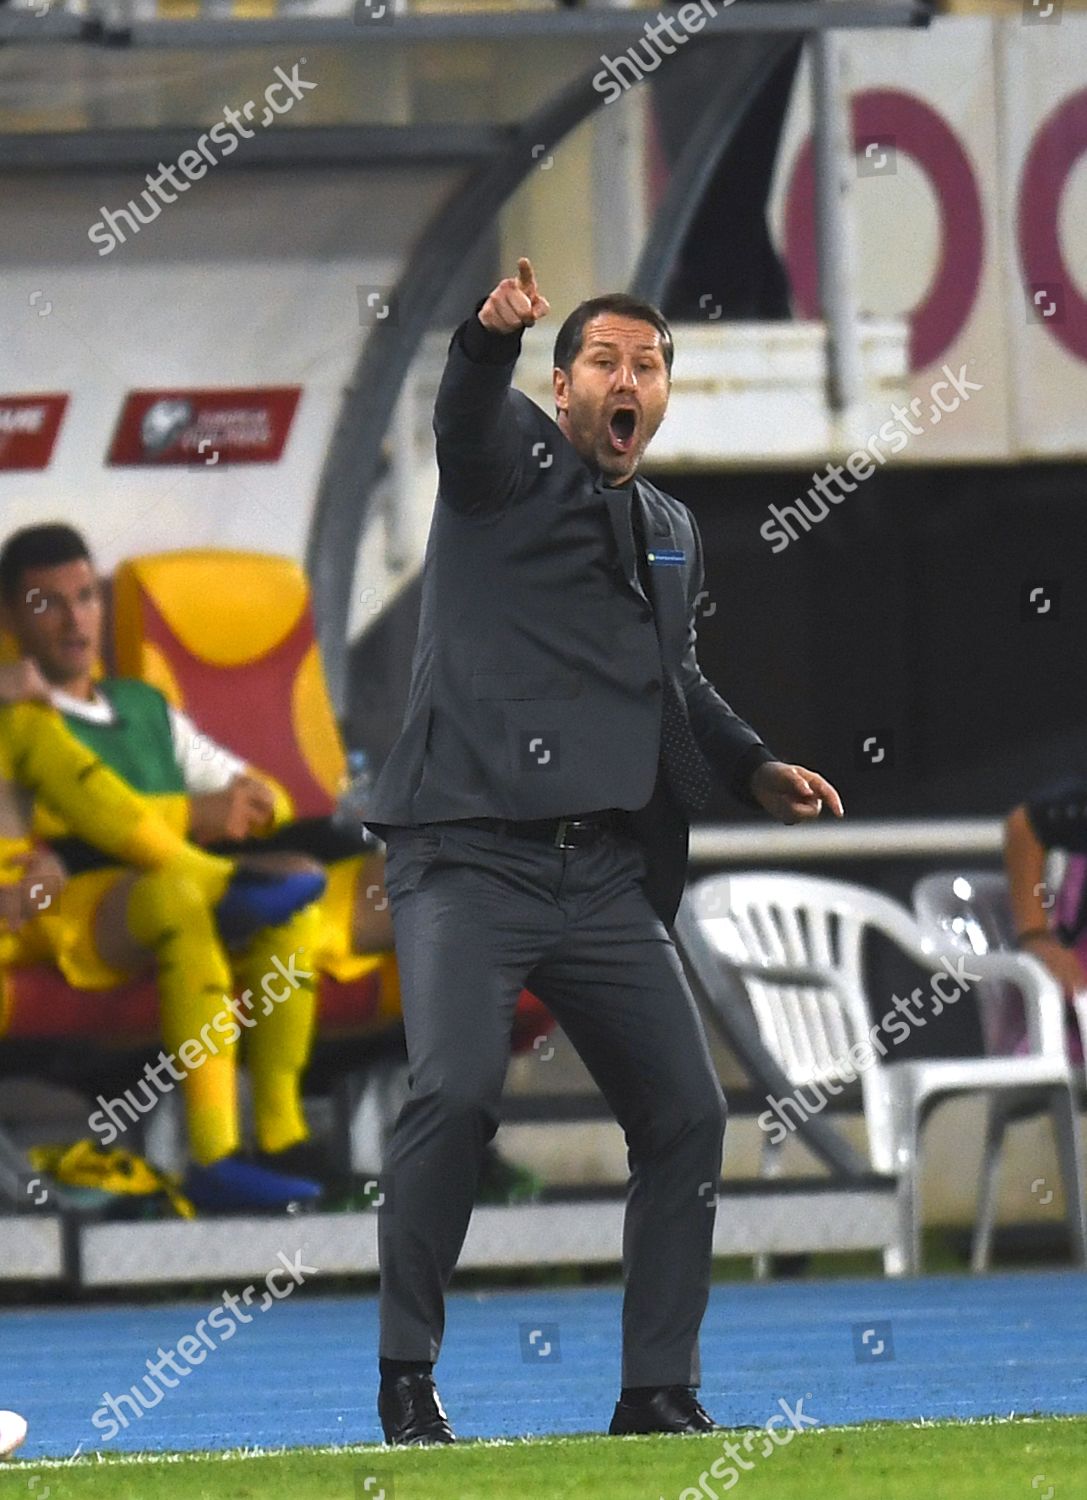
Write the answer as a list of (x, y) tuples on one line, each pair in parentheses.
[(335, 955), (65, 932)]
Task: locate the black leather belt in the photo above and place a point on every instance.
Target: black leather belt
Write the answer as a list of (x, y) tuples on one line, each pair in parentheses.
[(563, 833)]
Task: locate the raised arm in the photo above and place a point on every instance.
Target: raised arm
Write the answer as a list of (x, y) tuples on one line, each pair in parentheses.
[(479, 445)]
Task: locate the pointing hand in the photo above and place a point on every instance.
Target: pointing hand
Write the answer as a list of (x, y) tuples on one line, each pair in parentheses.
[(515, 302)]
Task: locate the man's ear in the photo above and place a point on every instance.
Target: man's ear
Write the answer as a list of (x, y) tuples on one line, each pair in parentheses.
[(560, 386)]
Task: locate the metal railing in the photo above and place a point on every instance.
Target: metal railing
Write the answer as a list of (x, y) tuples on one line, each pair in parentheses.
[(828, 839), (211, 22)]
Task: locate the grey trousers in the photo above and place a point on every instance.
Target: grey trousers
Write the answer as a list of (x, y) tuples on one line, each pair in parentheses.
[(477, 915)]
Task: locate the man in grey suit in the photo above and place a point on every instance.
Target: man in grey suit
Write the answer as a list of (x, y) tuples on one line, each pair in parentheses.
[(535, 806)]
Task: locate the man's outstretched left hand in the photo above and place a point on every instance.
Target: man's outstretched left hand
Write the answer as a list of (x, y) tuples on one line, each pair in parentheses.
[(790, 793)]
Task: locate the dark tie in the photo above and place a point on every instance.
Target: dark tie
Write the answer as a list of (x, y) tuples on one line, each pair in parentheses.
[(684, 764)]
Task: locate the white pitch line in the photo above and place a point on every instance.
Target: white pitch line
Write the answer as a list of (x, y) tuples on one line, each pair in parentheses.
[(235, 1455)]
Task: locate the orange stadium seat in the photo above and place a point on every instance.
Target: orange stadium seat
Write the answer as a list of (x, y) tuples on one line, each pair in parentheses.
[(229, 637)]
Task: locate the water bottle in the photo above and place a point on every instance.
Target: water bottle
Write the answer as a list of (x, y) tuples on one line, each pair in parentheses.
[(354, 801)]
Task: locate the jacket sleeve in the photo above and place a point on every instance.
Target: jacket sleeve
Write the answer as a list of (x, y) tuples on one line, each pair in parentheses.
[(1057, 813), (478, 438), (730, 745)]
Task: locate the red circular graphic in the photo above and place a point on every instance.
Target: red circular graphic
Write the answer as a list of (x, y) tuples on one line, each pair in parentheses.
[(881, 116), (1058, 145)]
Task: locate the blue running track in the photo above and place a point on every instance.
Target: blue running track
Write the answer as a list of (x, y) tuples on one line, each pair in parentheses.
[(303, 1373)]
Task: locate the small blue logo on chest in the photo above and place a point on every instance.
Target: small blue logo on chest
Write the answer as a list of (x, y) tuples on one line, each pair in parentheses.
[(666, 556)]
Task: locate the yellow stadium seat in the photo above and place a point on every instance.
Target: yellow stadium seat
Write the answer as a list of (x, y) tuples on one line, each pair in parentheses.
[(229, 638)]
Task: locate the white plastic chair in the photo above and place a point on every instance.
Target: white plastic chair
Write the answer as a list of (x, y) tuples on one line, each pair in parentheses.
[(970, 910), (796, 942)]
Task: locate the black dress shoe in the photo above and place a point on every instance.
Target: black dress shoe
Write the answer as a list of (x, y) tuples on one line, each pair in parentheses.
[(671, 1409), (411, 1412)]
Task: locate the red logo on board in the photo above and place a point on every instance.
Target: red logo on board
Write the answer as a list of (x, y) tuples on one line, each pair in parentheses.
[(204, 426), (28, 430)]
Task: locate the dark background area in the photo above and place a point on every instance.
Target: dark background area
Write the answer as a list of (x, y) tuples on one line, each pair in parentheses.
[(902, 615)]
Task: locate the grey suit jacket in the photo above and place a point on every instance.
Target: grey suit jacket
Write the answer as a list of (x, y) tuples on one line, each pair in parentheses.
[(536, 680)]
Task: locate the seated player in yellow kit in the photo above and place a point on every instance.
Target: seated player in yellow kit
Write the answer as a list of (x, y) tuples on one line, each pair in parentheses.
[(42, 762), (41, 759), (229, 804), (108, 924)]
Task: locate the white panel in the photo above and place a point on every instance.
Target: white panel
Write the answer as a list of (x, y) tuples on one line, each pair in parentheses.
[(742, 393), (30, 1249), (1043, 67), (948, 69), (249, 280), (524, 1235)]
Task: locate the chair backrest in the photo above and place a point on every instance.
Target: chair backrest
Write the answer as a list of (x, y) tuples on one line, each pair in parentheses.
[(229, 636), (970, 910), (800, 921)]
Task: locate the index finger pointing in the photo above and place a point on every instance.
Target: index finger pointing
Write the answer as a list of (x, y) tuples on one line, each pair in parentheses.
[(829, 795), (526, 276)]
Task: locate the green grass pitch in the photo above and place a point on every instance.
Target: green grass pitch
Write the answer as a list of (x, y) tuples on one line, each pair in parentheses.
[(1024, 1459)]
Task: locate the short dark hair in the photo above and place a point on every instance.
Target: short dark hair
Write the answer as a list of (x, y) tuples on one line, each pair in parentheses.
[(45, 546), (569, 337)]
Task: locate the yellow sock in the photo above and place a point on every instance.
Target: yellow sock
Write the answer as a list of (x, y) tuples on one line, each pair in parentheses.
[(337, 943), (277, 967), (42, 755), (171, 916)]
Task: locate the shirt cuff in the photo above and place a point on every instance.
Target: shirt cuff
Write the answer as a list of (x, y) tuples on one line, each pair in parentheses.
[(483, 345), (748, 764)]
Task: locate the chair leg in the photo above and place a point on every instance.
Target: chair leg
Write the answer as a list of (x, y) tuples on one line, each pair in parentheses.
[(996, 1125), (769, 1166), (894, 1261), (1079, 1001), (367, 1104), (15, 1173), (908, 1166), (346, 1093), (1070, 1156), (906, 1111)]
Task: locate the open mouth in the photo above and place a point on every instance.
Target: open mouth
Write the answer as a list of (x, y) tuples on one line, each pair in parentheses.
[(622, 425)]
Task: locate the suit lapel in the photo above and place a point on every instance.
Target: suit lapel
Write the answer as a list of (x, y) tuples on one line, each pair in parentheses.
[(618, 504), (666, 581)]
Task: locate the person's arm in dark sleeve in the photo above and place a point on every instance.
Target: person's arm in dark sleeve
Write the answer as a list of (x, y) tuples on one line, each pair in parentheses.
[(479, 441), (730, 745), (1057, 815), (1051, 818)]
